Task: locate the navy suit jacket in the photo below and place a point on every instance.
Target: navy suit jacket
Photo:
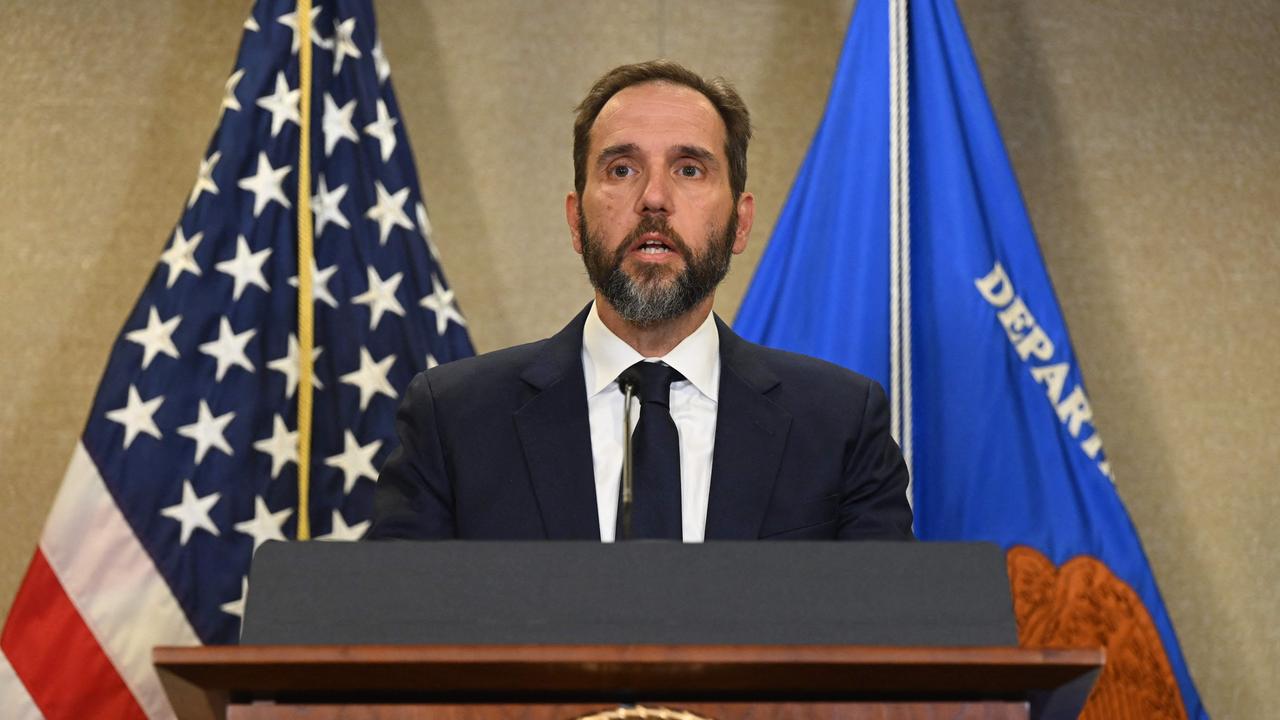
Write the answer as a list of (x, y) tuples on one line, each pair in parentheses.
[(498, 446)]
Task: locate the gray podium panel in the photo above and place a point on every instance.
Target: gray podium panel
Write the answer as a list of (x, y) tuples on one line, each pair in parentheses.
[(824, 593)]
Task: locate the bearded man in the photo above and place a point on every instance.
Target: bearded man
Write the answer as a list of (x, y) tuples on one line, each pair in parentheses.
[(730, 440)]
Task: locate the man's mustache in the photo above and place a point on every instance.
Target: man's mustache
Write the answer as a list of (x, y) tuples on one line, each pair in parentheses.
[(652, 224)]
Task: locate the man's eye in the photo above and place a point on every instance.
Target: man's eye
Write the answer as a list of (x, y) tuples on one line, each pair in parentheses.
[(620, 171), (689, 171)]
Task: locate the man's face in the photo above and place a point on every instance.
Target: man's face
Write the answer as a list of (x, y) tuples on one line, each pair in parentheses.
[(656, 222)]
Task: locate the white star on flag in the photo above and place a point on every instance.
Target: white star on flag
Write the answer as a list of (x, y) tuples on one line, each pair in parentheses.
[(324, 205), (339, 530), (336, 124), (289, 366), (228, 349), (251, 24), (290, 20), (156, 337), (180, 256), (389, 211), (265, 184), (282, 104), (384, 131), (192, 512), (229, 99), (355, 461), (245, 267), (136, 416), (282, 446), (236, 607), (343, 44), (380, 61), (208, 431), (319, 283), (381, 296), (204, 178), (424, 227), (440, 302), (265, 525), (371, 377)]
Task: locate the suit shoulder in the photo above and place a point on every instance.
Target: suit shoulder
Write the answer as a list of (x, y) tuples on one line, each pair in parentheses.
[(808, 370), (479, 371), (816, 392)]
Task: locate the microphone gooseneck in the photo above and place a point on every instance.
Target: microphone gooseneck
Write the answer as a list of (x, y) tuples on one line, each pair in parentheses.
[(627, 384)]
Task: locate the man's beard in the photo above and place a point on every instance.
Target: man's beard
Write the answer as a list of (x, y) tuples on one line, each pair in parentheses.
[(652, 296)]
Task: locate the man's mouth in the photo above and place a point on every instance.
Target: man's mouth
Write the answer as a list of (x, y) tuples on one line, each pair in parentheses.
[(653, 244)]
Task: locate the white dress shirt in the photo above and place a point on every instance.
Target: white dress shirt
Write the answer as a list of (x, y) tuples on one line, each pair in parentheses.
[(693, 408)]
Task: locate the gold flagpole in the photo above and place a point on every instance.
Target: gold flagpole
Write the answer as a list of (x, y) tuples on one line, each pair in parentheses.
[(306, 330)]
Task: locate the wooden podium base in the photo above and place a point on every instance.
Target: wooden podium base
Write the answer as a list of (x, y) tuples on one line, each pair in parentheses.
[(623, 682), (665, 711)]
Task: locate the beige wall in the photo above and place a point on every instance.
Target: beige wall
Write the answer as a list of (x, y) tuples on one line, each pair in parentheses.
[(1146, 135)]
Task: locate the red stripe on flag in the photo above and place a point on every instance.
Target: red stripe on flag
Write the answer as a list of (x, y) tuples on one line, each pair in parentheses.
[(57, 657)]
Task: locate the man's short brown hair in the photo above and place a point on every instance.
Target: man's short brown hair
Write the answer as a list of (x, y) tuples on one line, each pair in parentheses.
[(725, 99)]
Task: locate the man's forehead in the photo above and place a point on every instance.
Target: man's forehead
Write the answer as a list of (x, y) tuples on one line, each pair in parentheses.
[(658, 107)]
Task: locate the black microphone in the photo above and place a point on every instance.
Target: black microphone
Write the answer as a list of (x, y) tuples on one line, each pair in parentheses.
[(627, 382)]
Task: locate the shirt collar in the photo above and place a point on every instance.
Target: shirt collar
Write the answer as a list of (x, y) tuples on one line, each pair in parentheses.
[(606, 355)]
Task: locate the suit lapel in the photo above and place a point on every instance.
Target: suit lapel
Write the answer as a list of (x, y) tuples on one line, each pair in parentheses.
[(751, 433), (555, 432)]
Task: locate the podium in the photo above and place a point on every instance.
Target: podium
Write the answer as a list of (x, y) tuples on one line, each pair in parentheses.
[(571, 630)]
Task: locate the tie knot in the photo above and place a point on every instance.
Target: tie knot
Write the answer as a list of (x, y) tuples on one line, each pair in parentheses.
[(652, 380)]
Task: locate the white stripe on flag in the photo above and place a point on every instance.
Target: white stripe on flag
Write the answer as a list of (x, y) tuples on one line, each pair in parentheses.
[(112, 581), (18, 704)]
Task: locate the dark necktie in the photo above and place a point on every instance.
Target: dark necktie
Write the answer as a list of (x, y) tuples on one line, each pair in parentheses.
[(655, 447)]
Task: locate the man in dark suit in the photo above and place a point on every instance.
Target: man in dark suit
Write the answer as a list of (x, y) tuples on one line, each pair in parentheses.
[(731, 440)]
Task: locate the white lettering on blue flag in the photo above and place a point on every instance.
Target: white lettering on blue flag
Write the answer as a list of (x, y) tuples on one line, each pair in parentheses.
[(1030, 341)]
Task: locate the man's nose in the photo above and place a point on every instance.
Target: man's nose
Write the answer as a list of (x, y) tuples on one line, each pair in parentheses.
[(656, 197)]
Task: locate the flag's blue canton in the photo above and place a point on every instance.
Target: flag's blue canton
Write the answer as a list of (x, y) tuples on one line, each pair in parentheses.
[(194, 423), (1004, 445)]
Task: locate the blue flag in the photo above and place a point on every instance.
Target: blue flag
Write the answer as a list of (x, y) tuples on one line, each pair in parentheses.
[(189, 459), (995, 417)]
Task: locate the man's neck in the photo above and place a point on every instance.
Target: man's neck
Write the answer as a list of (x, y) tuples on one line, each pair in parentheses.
[(660, 338)]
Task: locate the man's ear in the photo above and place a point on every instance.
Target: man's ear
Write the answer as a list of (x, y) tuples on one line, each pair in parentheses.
[(571, 217), (746, 216)]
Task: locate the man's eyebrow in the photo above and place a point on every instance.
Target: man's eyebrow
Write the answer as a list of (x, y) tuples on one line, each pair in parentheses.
[(614, 151), (694, 151), (698, 153)]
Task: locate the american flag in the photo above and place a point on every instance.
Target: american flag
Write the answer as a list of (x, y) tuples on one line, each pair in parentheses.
[(189, 458)]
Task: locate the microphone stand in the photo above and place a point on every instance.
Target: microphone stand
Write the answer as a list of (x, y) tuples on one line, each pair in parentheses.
[(628, 392)]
